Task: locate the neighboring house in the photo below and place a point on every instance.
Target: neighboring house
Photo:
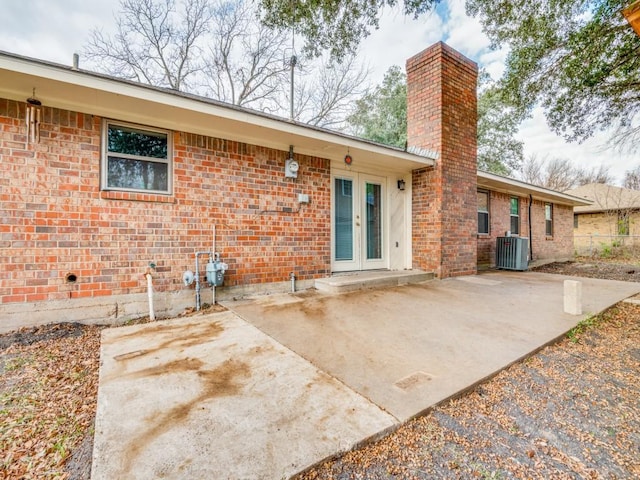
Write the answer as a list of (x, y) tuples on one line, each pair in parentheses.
[(511, 207), (108, 179), (614, 212)]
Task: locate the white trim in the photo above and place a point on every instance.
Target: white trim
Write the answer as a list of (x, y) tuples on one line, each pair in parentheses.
[(61, 87), (104, 157), (381, 263), (491, 181), (359, 261)]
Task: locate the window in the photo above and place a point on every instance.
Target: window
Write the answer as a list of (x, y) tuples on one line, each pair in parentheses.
[(136, 159), (515, 216), (623, 223), (483, 212), (575, 221), (548, 219)]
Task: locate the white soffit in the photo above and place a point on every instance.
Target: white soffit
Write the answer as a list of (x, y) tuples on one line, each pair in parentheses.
[(511, 186), (86, 92)]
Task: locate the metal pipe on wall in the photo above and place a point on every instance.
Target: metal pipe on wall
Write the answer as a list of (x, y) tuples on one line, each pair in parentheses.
[(197, 275), (530, 233)]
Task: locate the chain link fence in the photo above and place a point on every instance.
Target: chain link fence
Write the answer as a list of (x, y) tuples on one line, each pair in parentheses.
[(606, 245)]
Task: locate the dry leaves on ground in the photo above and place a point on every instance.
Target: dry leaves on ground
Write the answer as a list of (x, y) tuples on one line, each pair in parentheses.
[(48, 391), (569, 411), (625, 270)]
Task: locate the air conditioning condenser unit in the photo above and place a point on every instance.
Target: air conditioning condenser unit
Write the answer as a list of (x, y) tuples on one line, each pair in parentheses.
[(512, 253)]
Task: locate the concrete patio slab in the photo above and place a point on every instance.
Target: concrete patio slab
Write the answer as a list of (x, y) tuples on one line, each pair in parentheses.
[(410, 347), (312, 374), (213, 397)]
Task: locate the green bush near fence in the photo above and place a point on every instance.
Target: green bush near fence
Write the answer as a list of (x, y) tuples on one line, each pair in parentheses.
[(607, 247)]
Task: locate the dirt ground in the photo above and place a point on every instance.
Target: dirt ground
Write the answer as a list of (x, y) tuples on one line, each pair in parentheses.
[(624, 269), (569, 411)]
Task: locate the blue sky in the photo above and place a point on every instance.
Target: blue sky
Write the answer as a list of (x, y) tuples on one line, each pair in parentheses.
[(54, 29)]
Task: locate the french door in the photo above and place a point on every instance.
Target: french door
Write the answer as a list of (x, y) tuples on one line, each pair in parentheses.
[(358, 213)]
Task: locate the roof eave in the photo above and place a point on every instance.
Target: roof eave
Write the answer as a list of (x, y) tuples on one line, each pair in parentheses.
[(494, 182), (87, 92)]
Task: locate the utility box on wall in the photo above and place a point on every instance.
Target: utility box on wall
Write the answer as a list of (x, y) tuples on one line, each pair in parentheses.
[(512, 253)]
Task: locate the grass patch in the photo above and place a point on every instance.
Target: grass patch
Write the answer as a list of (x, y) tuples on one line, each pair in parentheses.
[(16, 363), (591, 322)]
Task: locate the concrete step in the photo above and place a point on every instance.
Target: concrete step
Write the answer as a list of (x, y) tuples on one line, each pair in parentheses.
[(351, 281)]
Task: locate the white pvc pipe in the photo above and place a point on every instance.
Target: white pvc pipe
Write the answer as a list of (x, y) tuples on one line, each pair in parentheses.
[(152, 314), (213, 250)]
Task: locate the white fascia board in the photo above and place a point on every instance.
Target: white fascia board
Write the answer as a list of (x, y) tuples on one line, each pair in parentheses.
[(492, 181), (227, 118)]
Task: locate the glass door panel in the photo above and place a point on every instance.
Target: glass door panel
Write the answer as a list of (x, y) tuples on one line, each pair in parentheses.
[(358, 222), (343, 219), (373, 219)]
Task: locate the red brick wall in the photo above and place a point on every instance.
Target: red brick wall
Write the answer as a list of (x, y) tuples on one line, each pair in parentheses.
[(557, 246), (442, 116), (499, 224), (54, 220), (560, 244)]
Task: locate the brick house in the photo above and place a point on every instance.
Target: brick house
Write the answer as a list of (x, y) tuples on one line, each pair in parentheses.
[(614, 213), (511, 207), (108, 179)]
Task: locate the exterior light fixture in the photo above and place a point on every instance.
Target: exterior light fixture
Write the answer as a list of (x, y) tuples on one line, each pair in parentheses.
[(401, 185), (347, 159), (632, 14), (33, 117)]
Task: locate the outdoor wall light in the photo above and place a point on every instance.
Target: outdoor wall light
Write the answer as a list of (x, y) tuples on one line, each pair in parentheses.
[(33, 117), (401, 185)]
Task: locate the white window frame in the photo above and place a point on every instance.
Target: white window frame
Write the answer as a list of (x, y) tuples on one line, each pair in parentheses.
[(104, 161)]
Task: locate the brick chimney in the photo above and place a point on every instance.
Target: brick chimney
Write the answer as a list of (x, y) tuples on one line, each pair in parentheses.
[(442, 117)]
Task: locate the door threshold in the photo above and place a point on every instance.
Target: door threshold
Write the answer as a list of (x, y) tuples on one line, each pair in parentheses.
[(349, 281)]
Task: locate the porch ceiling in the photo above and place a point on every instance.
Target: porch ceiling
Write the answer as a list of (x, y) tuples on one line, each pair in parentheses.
[(86, 92)]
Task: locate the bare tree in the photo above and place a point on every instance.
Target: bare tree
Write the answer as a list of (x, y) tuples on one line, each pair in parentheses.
[(327, 89), (554, 173), (560, 174), (598, 174), (532, 170), (632, 178), (154, 43), (221, 50), (245, 64)]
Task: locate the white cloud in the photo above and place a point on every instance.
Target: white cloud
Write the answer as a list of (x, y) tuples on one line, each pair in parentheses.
[(493, 62), (398, 39), (51, 30), (464, 33), (540, 140)]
